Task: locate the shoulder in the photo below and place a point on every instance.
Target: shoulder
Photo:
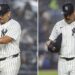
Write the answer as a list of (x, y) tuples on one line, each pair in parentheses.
[(59, 23), (14, 23)]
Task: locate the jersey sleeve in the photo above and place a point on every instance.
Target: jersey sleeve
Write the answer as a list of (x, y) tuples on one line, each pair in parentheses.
[(14, 31), (55, 32)]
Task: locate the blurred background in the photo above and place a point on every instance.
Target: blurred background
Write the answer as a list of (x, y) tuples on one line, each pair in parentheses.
[(25, 12), (49, 13)]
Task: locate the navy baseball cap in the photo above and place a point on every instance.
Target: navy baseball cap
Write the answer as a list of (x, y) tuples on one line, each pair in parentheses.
[(68, 9), (4, 8)]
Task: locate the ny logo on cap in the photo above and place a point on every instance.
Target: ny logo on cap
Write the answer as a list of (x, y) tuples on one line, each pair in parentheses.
[(66, 8), (0, 8)]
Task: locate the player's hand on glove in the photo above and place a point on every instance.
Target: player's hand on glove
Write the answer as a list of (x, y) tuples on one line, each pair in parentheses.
[(50, 46), (54, 46)]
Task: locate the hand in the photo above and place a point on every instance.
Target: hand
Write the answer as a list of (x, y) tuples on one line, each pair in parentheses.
[(47, 43)]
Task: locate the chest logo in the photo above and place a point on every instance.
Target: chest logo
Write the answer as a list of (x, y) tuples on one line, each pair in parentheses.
[(3, 32), (73, 31)]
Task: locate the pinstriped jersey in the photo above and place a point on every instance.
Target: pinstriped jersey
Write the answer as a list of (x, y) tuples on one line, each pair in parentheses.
[(68, 37), (12, 29)]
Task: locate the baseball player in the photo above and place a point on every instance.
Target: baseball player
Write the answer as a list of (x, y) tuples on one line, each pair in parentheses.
[(66, 27), (10, 32)]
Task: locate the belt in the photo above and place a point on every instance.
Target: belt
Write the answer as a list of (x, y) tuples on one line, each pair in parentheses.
[(68, 58), (13, 56)]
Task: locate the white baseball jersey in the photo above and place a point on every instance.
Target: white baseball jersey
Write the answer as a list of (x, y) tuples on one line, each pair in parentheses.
[(68, 37), (12, 29)]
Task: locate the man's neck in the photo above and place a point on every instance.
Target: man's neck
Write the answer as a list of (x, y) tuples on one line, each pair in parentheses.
[(69, 21)]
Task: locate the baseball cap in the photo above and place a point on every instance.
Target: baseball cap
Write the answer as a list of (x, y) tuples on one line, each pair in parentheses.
[(4, 8), (68, 9)]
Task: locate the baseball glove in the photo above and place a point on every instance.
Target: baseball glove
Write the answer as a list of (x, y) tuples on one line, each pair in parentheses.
[(54, 47)]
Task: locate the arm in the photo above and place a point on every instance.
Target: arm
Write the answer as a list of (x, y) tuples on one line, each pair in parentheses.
[(5, 40), (13, 33), (52, 37), (52, 44)]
